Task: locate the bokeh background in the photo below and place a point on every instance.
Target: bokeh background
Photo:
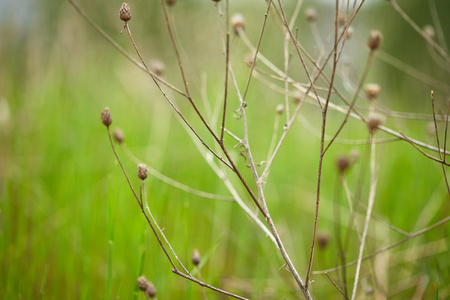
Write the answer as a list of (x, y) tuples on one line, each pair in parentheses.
[(69, 227)]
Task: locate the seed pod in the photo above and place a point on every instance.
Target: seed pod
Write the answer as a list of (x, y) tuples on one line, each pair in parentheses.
[(311, 14), (125, 12), (119, 136), (429, 31), (151, 291), (342, 163), (280, 109), (372, 90), (374, 121), (143, 283), (297, 95), (106, 117), (142, 171), (196, 258), (374, 41), (157, 67), (323, 239), (238, 22), (170, 2)]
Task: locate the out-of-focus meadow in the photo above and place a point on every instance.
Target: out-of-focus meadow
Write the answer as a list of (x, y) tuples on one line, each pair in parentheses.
[(69, 226)]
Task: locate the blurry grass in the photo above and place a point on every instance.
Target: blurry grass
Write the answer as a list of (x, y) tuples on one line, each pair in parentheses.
[(71, 230)]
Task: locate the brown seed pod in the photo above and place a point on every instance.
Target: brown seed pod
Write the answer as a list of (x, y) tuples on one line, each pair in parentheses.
[(170, 2), (125, 12), (143, 283), (151, 291), (279, 109), (374, 121), (374, 41), (142, 171), (322, 240), (196, 258), (342, 163), (119, 136), (106, 117)]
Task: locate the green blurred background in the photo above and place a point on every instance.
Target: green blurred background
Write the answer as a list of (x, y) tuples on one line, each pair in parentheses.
[(69, 227)]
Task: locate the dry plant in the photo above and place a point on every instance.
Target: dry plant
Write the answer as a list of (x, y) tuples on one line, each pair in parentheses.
[(322, 70)]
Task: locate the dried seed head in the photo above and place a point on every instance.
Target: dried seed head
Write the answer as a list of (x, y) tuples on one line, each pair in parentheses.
[(238, 22), (143, 283), (311, 14), (157, 67), (106, 117), (297, 96), (342, 163), (372, 90), (323, 239), (350, 31), (151, 291), (196, 258), (429, 31), (142, 171), (125, 12), (249, 59), (280, 109), (374, 121), (374, 41), (342, 20), (170, 2), (119, 136), (216, 0)]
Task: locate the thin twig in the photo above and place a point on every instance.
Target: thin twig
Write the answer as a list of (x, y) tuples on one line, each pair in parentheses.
[(335, 285), (373, 184)]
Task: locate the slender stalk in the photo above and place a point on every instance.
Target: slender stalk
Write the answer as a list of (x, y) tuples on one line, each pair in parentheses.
[(387, 248), (373, 185)]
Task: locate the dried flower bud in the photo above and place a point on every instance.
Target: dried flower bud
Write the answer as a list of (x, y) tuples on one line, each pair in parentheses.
[(374, 121), (342, 163), (297, 96), (372, 90), (429, 31), (311, 14), (374, 41), (280, 109), (170, 2), (125, 12), (119, 136), (216, 0), (106, 117), (238, 22), (323, 239), (142, 171), (143, 283), (342, 20), (196, 258), (151, 291), (157, 67)]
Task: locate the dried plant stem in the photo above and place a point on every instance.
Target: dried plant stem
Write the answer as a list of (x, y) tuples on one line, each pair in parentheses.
[(173, 182), (437, 141), (336, 286), (121, 50), (227, 65), (240, 30), (373, 185), (141, 205), (382, 250), (127, 27), (420, 31), (322, 144)]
